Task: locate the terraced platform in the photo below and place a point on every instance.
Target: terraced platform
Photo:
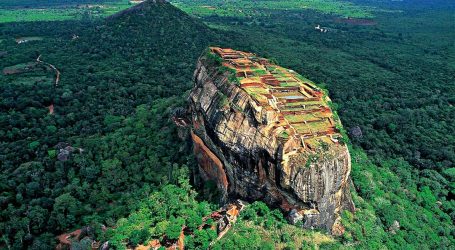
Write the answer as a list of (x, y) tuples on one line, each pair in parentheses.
[(303, 108)]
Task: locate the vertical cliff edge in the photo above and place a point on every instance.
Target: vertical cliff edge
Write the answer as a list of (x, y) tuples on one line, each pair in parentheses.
[(263, 132)]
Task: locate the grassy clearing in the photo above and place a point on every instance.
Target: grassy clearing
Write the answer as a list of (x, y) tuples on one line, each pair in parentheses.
[(60, 13), (26, 74), (244, 8), (259, 72), (264, 232), (306, 103), (302, 128), (28, 39), (27, 15), (287, 94), (257, 93), (289, 84), (318, 141), (319, 126), (20, 68), (301, 118)]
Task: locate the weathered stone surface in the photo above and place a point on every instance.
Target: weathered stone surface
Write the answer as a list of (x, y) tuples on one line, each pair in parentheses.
[(295, 217), (211, 166), (235, 147), (337, 228)]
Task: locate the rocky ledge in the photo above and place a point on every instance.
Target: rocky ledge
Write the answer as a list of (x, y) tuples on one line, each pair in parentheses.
[(263, 132)]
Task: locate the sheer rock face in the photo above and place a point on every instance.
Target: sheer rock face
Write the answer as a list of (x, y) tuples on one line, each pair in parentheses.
[(235, 148)]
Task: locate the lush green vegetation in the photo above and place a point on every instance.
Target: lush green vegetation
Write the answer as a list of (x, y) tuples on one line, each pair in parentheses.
[(381, 195), (391, 192), (47, 3), (259, 227), (118, 92), (163, 214), (246, 8), (26, 11), (107, 78)]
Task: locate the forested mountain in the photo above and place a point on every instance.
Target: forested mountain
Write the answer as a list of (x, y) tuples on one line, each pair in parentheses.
[(109, 149)]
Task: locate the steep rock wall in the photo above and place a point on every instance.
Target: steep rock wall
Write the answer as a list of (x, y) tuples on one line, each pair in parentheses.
[(248, 161)]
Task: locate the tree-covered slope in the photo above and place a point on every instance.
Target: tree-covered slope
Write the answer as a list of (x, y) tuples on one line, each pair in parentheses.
[(120, 81)]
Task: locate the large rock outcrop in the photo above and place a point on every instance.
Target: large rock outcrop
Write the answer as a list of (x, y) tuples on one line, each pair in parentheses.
[(262, 132)]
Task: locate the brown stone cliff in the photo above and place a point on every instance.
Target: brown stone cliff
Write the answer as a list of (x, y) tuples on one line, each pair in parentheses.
[(237, 144)]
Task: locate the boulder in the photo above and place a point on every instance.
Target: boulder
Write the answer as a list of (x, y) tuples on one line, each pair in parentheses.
[(239, 146)]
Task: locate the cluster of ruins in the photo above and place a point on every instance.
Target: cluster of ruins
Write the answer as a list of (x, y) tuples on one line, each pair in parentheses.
[(300, 108)]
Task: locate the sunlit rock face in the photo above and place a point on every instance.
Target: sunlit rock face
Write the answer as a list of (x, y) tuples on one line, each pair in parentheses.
[(263, 132)]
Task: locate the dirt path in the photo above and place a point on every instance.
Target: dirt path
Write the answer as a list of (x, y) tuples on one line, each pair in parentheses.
[(51, 109), (57, 79), (57, 72)]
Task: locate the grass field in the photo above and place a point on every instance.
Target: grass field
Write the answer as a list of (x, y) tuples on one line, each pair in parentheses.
[(91, 9), (301, 118), (62, 12), (244, 8), (27, 73), (28, 39), (20, 68)]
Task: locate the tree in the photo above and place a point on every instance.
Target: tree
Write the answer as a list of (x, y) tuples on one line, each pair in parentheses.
[(175, 228), (203, 238), (65, 211), (193, 220)]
